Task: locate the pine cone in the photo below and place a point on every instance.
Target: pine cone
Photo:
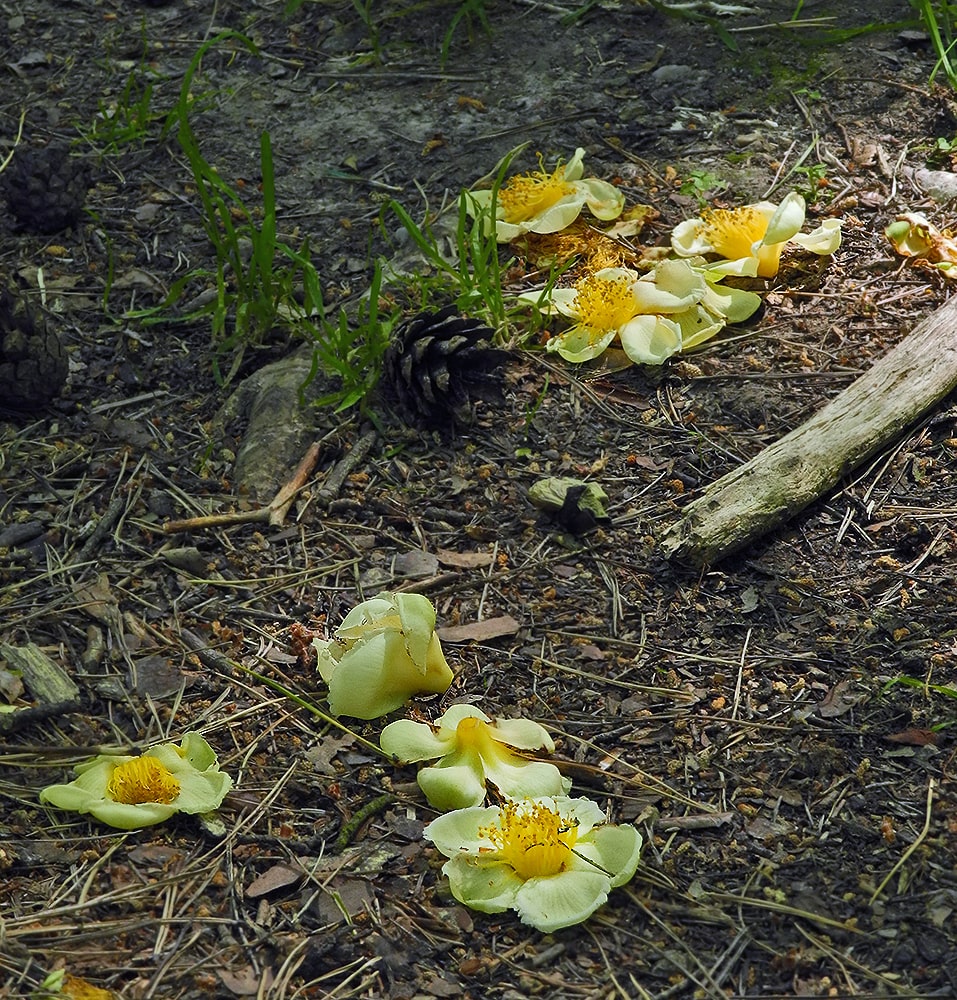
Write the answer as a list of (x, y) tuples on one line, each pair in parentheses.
[(33, 363), (438, 363), (45, 187)]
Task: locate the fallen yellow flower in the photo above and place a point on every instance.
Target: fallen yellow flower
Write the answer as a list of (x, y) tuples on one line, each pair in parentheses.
[(749, 240), (132, 792), (552, 860), (542, 202)]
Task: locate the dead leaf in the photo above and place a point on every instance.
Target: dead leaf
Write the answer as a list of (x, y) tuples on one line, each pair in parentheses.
[(915, 737), (245, 982), (277, 877), (489, 628), (839, 700), (463, 560), (417, 563)]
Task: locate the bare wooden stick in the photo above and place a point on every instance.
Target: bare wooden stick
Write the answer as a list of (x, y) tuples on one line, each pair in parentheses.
[(274, 512), (785, 477)]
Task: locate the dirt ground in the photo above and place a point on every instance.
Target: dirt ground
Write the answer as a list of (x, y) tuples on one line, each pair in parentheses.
[(780, 726)]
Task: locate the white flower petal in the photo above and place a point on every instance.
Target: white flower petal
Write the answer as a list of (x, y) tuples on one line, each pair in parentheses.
[(688, 239), (604, 200), (650, 340), (579, 344), (456, 833), (490, 888), (414, 741), (574, 168), (529, 779), (697, 325), (562, 900), (735, 304), (524, 734), (454, 786), (823, 240), (616, 848), (556, 217), (786, 220)]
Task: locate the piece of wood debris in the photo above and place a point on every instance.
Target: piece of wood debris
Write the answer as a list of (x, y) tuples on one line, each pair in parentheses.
[(793, 472)]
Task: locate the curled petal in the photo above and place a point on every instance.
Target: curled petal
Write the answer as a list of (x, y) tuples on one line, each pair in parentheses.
[(604, 200), (689, 239), (578, 343), (519, 779), (617, 849), (786, 220), (523, 734), (824, 240), (650, 339), (575, 167), (411, 742), (454, 785)]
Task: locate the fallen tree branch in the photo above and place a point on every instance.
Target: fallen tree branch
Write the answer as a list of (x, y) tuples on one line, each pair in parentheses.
[(793, 472)]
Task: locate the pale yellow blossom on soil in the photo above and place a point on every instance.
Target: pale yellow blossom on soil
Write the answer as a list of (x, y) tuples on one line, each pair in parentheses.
[(543, 202), (551, 859)]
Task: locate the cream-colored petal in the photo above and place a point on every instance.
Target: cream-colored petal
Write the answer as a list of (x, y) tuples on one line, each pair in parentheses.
[(574, 168), (328, 654), (586, 812), (454, 714), (697, 325), (604, 200), (688, 238), (617, 849), (672, 286), (523, 734), (456, 786), (735, 304), (556, 217), (130, 817), (489, 888), (366, 616), (410, 741), (579, 344), (374, 678), (743, 267), (455, 833), (197, 752), (650, 340), (786, 220), (201, 791), (417, 617), (556, 901), (528, 779), (824, 240)]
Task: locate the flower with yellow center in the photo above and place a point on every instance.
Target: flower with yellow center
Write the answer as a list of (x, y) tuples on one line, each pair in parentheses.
[(472, 751), (384, 652), (543, 202), (132, 792), (749, 240), (551, 859), (671, 308)]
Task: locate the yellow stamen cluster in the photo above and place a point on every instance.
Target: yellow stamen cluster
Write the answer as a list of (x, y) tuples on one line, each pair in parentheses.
[(526, 195), (143, 779), (532, 838), (604, 304), (733, 231)]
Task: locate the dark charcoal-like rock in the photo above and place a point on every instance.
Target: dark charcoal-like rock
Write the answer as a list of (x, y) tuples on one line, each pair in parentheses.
[(33, 362), (438, 364), (45, 187)]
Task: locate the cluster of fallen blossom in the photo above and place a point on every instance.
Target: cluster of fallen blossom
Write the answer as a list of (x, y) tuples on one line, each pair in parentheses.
[(673, 300)]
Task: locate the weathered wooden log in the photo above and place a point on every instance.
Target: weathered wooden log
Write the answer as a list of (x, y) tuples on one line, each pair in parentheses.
[(793, 472)]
